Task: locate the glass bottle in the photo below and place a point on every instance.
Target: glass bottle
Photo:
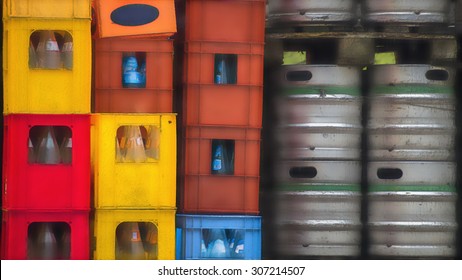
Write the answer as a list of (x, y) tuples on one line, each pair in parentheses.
[(218, 246), (219, 160), (66, 150), (65, 245), (48, 53), (150, 242), (32, 56), (67, 52), (46, 247), (152, 142), (134, 147), (48, 150), (30, 152), (130, 246), (131, 78)]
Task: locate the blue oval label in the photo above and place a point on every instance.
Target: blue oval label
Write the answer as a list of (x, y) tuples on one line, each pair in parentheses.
[(134, 15)]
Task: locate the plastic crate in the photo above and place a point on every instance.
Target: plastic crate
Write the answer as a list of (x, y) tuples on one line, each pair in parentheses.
[(107, 222), (15, 231), (155, 96), (225, 21), (203, 188), (200, 232), (135, 18), (149, 182), (227, 106), (64, 9), (46, 91), (30, 183), (200, 61)]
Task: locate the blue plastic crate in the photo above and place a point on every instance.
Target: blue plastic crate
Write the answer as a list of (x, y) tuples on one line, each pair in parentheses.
[(218, 237)]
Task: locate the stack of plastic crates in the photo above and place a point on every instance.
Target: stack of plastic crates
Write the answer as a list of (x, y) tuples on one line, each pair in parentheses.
[(134, 129), (221, 130), (46, 149)]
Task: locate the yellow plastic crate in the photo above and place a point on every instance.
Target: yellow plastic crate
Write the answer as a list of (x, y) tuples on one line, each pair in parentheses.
[(46, 91), (67, 9), (124, 183), (107, 238)]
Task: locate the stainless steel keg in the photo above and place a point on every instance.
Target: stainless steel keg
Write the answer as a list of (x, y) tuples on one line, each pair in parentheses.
[(319, 223), (412, 209), (412, 113), (318, 207), (319, 112), (298, 12), (406, 11)]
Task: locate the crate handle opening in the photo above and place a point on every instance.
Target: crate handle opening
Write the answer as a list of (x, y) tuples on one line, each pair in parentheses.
[(437, 75), (389, 173), (299, 76), (307, 172)]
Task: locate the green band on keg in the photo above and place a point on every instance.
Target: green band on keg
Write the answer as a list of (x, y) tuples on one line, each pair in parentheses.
[(318, 187), (401, 188), (403, 89), (354, 91)]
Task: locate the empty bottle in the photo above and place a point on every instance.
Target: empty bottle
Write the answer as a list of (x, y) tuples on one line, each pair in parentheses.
[(65, 245), (220, 76), (48, 150), (152, 143), (30, 152), (45, 247), (143, 75), (218, 246), (219, 160), (129, 242), (203, 249), (150, 242), (67, 52), (66, 150), (119, 151), (48, 53), (237, 250), (134, 147), (131, 77), (32, 56)]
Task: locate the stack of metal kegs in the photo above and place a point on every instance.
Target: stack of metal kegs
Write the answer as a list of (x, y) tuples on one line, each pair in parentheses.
[(318, 193), (411, 169)]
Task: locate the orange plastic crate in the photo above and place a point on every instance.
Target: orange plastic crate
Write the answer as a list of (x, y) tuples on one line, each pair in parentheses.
[(225, 21), (201, 191), (135, 18), (200, 57), (112, 97), (223, 105), (208, 102)]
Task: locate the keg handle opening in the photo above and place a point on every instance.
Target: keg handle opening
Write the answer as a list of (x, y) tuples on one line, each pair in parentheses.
[(389, 173), (299, 76), (437, 75), (304, 172)]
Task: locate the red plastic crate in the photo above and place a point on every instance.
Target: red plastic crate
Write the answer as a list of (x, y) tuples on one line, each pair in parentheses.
[(225, 21), (45, 186), (201, 191), (112, 97), (15, 225)]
